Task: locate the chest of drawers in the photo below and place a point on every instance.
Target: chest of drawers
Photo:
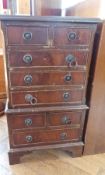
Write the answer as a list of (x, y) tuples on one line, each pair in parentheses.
[(47, 70)]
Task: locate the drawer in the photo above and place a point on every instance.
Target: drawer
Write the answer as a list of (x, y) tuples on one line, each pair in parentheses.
[(72, 35), (27, 121), (45, 136), (70, 59), (23, 35), (50, 35), (71, 119), (41, 78), (47, 97)]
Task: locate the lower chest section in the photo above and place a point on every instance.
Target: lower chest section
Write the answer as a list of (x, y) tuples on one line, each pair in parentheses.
[(45, 127)]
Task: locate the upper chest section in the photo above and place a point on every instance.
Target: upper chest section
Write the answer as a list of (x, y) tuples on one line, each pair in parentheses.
[(48, 34)]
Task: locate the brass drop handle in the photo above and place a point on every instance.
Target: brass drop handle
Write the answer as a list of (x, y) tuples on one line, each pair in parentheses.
[(63, 136), (30, 99), (65, 120), (68, 78), (28, 122), (66, 96), (29, 138), (72, 36), (27, 36), (27, 59), (28, 79), (71, 60)]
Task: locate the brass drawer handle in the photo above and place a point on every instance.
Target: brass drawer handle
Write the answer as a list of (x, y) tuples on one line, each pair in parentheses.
[(27, 59), (68, 78), (30, 99), (27, 36), (65, 120), (72, 36), (28, 122), (29, 138), (63, 136), (66, 96), (28, 79), (71, 60)]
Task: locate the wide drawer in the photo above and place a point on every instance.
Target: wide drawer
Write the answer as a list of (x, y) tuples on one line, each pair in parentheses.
[(70, 59), (45, 136), (73, 35), (34, 78), (23, 35), (71, 119), (36, 120), (47, 97)]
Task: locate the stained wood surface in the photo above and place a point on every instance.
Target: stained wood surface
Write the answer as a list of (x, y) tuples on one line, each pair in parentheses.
[(95, 132), (47, 34), (50, 19), (53, 162)]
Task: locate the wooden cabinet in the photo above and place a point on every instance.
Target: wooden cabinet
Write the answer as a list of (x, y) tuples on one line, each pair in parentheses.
[(47, 71), (95, 132)]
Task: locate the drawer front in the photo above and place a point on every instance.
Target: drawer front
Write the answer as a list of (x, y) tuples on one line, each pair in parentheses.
[(69, 35), (50, 35), (37, 35), (64, 119), (29, 78), (70, 59), (27, 121), (45, 136), (34, 98)]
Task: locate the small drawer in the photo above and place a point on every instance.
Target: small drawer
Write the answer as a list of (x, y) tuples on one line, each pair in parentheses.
[(70, 59), (45, 136), (31, 35), (73, 119), (35, 98), (26, 121), (72, 35), (34, 78)]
